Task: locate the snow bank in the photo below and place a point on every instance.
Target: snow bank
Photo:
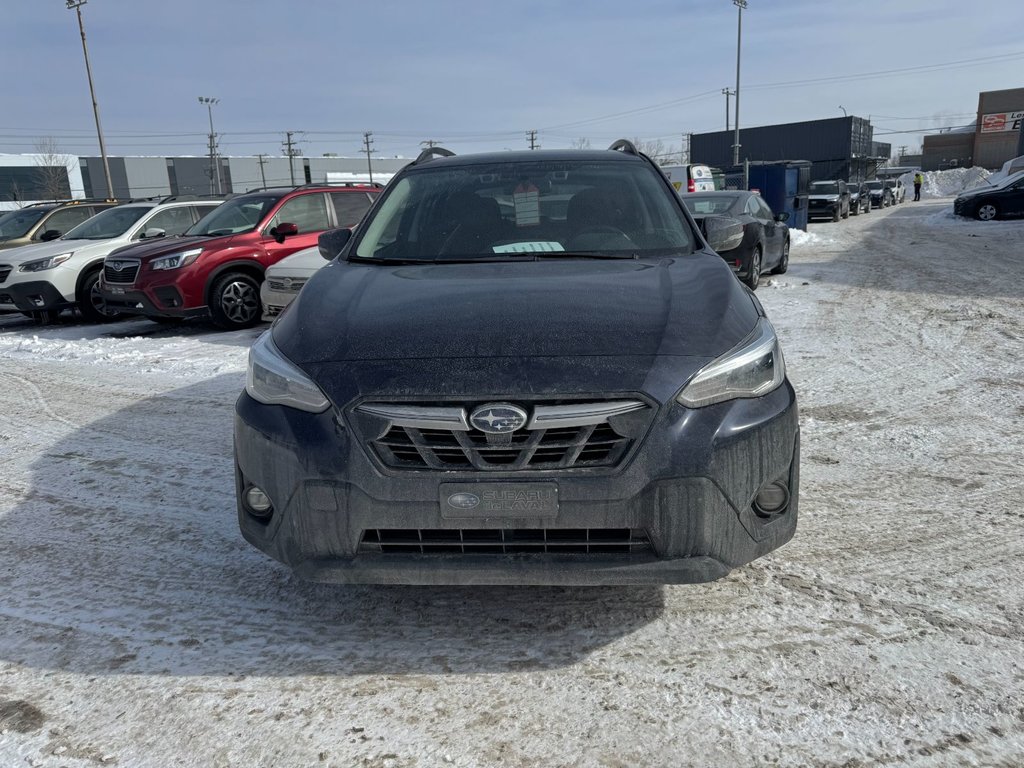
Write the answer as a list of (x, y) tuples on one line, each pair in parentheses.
[(946, 183), (799, 237)]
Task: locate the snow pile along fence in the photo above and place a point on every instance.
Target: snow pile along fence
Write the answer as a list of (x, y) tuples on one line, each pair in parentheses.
[(946, 183)]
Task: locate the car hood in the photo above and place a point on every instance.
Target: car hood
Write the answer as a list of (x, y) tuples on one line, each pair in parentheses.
[(683, 306), (301, 264), (161, 246), (44, 250)]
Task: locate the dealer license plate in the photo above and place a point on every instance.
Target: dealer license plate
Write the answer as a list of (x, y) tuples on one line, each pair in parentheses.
[(476, 500)]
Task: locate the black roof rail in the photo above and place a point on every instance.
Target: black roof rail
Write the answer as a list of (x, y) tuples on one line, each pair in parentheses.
[(74, 201), (625, 145), (430, 153), (375, 184)]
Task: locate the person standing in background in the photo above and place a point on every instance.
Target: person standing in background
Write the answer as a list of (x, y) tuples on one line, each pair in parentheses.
[(918, 181)]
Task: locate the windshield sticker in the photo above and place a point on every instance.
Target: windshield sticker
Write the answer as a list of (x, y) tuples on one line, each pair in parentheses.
[(540, 246), (526, 199)]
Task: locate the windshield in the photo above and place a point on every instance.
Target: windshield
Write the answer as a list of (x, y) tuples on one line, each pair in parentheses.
[(509, 210), (18, 223), (708, 204), (825, 188), (112, 222), (243, 214), (873, 184)]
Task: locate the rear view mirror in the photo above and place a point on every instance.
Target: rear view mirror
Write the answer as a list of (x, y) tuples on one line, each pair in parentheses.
[(782, 217), (283, 230), (723, 233), (331, 242), (50, 234), (154, 232)]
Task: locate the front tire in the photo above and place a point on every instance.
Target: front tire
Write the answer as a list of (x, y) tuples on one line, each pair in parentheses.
[(235, 301), (783, 265), (90, 301), (986, 212), (754, 273)]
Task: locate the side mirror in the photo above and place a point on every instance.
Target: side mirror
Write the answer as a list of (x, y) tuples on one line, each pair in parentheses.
[(331, 242), (723, 233), (149, 234), (782, 217), (50, 234), (283, 230)]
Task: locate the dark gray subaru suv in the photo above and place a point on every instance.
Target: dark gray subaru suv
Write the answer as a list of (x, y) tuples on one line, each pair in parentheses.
[(521, 368)]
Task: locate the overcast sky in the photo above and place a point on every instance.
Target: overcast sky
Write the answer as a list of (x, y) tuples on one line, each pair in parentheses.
[(477, 75)]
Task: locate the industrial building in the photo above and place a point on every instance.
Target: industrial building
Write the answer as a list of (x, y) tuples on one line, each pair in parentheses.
[(29, 178), (837, 148), (994, 138)]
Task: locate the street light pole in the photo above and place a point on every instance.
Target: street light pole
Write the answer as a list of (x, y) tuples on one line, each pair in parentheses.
[(740, 5), (214, 170), (77, 6)]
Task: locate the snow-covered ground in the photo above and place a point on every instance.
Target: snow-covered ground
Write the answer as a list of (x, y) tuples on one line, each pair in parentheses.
[(138, 629)]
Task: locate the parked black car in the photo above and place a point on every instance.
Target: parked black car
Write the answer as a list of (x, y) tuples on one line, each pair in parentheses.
[(1004, 200), (860, 199), (765, 246), (829, 200), (522, 367), (881, 195)]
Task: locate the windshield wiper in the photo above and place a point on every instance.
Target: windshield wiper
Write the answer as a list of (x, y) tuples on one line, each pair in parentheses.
[(460, 260)]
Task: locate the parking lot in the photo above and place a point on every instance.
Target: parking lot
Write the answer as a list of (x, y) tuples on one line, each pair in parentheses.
[(138, 627)]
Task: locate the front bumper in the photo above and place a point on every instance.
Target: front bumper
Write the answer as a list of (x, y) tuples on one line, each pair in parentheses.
[(33, 296), (274, 302), (689, 488), (131, 301)]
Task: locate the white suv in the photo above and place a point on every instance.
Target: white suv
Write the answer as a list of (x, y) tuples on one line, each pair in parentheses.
[(41, 280)]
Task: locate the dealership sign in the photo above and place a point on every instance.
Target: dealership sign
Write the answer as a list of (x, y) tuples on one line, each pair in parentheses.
[(1001, 121)]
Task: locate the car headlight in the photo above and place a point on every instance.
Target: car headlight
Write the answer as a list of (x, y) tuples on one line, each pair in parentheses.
[(39, 265), (175, 260), (273, 379), (753, 368)]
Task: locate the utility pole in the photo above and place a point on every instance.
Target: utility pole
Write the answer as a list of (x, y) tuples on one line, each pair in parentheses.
[(429, 143), (214, 164), (290, 151), (263, 175), (903, 151), (77, 6), (740, 5), (368, 148), (727, 93), (687, 148), (532, 136)]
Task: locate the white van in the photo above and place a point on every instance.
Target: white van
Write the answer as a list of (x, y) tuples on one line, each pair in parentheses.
[(690, 178)]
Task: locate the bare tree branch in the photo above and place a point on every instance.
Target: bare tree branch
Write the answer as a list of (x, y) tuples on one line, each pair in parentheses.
[(52, 169)]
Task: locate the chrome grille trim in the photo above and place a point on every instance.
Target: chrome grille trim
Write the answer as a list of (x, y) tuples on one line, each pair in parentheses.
[(505, 541), (286, 284), (411, 436), (544, 416)]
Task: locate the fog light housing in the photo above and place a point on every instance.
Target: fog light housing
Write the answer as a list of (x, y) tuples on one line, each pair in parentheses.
[(771, 500), (258, 503)]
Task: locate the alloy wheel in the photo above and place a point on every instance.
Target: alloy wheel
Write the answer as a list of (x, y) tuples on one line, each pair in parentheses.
[(987, 212), (239, 301)]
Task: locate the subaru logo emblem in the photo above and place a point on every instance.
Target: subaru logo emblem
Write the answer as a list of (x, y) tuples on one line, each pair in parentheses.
[(498, 419), (117, 266), (463, 500)]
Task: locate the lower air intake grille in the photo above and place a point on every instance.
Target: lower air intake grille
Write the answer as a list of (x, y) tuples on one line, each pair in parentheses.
[(5, 270), (505, 541)]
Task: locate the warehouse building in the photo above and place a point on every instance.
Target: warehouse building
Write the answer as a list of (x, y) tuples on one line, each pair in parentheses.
[(30, 178), (837, 148), (994, 138)]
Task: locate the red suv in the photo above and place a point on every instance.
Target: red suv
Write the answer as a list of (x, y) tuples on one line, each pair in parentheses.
[(216, 267)]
